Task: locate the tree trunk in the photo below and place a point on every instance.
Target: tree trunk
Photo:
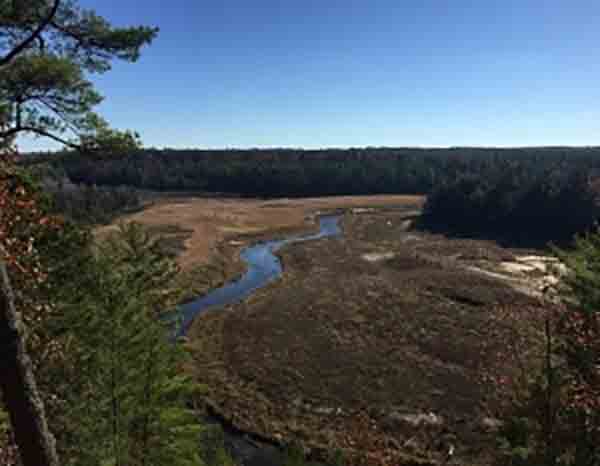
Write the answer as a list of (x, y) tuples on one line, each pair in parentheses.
[(17, 385)]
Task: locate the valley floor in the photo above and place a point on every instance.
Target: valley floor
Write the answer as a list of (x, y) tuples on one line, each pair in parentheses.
[(376, 342), (205, 223), (381, 342)]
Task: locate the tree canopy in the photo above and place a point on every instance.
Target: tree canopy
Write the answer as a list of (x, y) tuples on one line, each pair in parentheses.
[(47, 47)]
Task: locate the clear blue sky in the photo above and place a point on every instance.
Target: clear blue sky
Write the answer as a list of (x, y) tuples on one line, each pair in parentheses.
[(317, 73)]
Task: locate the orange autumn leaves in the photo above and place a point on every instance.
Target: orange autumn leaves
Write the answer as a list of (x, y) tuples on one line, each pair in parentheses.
[(22, 219)]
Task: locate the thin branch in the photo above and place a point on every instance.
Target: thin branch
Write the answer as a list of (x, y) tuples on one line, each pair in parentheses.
[(58, 112), (34, 36), (40, 132), (19, 113)]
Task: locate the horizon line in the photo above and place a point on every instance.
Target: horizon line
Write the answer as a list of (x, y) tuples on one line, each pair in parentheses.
[(341, 148)]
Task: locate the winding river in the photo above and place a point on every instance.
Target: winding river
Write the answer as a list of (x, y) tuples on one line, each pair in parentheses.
[(263, 266)]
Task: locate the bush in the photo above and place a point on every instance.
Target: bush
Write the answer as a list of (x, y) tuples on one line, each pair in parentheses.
[(556, 420), (115, 390)]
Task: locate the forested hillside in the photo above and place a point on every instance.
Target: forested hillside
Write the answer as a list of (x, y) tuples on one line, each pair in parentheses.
[(527, 204), (527, 195), (297, 173), (529, 200)]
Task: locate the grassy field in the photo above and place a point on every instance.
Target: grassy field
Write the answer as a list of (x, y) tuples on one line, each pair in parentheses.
[(202, 225), (375, 343), (206, 234)]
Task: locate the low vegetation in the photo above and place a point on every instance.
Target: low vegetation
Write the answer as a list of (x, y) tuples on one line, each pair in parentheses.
[(551, 416), (375, 343), (401, 358), (212, 230)]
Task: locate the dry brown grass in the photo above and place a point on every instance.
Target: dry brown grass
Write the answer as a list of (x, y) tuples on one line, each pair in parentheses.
[(341, 340), (210, 221), (341, 349)]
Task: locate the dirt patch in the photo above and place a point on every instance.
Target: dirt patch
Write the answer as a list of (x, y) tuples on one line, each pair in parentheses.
[(344, 352)]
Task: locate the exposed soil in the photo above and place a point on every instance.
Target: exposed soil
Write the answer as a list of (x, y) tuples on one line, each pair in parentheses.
[(375, 343)]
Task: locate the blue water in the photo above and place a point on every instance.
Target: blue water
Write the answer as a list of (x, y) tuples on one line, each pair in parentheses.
[(263, 266)]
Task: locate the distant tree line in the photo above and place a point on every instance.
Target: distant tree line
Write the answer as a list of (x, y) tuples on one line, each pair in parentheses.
[(93, 204), (531, 195), (83, 203), (524, 202), (299, 173)]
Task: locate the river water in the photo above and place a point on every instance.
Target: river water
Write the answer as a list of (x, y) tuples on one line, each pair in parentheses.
[(263, 266)]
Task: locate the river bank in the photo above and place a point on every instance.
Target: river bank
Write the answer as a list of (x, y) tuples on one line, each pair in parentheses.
[(234, 225), (375, 343), (262, 266)]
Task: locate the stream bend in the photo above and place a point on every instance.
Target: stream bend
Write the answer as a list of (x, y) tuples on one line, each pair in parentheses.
[(263, 266)]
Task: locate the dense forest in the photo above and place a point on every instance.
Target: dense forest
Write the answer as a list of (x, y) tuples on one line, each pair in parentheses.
[(525, 195), (87, 204), (520, 204), (299, 173), (525, 201)]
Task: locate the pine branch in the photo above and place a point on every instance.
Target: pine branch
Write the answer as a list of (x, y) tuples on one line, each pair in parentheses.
[(32, 37), (11, 132)]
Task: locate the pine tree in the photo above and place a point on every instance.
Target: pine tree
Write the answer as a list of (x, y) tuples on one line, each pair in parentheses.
[(46, 47), (124, 395)]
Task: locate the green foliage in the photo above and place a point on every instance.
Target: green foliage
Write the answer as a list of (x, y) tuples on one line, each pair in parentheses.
[(583, 279), (8, 454), (518, 440), (4, 422), (93, 205), (294, 455), (46, 48), (58, 80), (528, 196), (338, 458), (120, 397), (518, 202), (557, 420), (213, 452), (84, 204), (499, 177), (100, 141)]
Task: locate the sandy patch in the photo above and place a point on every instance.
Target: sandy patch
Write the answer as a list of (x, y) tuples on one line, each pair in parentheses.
[(376, 257), (530, 274)]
